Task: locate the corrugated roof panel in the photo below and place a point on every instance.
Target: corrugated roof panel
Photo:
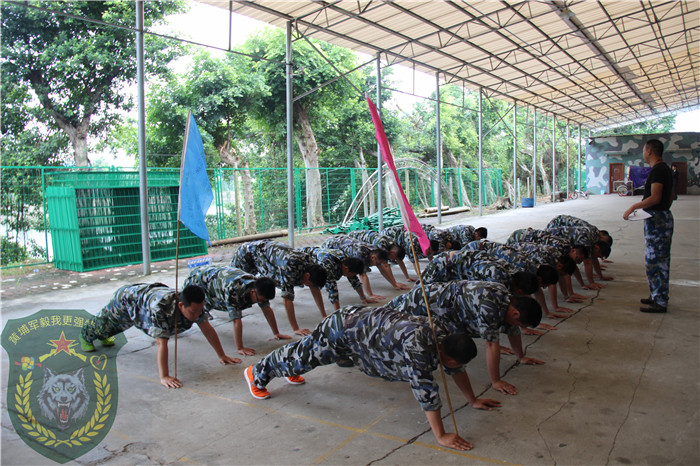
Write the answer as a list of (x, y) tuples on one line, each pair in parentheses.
[(583, 58)]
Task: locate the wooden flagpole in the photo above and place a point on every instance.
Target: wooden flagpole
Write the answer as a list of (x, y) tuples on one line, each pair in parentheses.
[(432, 327), (177, 236)]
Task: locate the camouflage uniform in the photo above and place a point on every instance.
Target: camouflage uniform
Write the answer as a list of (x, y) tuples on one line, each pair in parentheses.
[(398, 234), (658, 231), (381, 342), (517, 261), (226, 289), (578, 236), (331, 260), (472, 307), (373, 238), (569, 221), (531, 235), (539, 253), (275, 260), (147, 306), (466, 265), (441, 236), (462, 233), (351, 247)]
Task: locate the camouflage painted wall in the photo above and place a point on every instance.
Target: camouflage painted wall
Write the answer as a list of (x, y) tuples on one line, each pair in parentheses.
[(601, 151)]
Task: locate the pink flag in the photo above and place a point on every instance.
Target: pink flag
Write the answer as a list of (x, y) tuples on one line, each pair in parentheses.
[(409, 218)]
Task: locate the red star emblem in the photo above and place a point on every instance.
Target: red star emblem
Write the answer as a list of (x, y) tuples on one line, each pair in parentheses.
[(62, 344)]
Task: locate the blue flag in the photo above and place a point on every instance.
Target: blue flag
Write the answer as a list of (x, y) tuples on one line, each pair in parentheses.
[(195, 190)]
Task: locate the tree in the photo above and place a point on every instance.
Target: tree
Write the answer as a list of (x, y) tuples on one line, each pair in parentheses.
[(78, 69), (311, 71), (219, 92)]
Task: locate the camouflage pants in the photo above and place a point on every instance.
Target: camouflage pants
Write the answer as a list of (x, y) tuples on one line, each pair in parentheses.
[(658, 230), (111, 320), (324, 346), (242, 260)]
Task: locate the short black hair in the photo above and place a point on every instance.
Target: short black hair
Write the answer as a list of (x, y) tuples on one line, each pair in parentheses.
[(583, 250), (380, 254), (456, 245), (548, 274), (400, 251), (354, 264), (191, 294), (525, 281), (460, 347), (483, 232), (435, 245), (604, 233), (568, 263), (265, 288), (317, 274), (529, 309), (604, 248), (656, 147)]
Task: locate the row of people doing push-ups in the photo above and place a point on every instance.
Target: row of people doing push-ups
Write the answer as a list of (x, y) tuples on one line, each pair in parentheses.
[(476, 291)]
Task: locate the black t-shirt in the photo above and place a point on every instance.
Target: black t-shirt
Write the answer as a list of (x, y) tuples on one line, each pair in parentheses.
[(660, 173)]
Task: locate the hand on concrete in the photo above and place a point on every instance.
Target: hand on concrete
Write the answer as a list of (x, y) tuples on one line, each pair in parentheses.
[(170, 382), (280, 336), (228, 360), (486, 403), (246, 351), (455, 442), (530, 361), (302, 331), (504, 387)]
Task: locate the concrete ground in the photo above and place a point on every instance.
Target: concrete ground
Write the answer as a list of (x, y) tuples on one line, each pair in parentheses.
[(618, 386)]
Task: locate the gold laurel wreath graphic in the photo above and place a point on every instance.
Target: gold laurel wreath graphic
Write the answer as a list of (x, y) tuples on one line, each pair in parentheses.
[(46, 436)]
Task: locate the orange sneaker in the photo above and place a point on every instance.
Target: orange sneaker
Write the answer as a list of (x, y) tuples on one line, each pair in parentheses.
[(295, 380), (259, 393)]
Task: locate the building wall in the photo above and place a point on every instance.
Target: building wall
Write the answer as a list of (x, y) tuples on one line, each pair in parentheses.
[(602, 151)]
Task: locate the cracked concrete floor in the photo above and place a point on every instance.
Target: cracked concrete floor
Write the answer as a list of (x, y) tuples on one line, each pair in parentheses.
[(618, 386)]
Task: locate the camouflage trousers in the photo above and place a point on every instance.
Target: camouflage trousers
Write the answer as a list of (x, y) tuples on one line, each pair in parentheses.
[(658, 230), (111, 320), (324, 346)]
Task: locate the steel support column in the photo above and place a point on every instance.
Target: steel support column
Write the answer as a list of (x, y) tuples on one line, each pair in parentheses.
[(380, 184), (290, 141), (534, 156), (438, 148), (481, 164), (515, 153), (554, 155), (143, 166)]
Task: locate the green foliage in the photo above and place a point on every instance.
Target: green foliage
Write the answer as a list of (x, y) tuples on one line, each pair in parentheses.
[(12, 252), (78, 70)]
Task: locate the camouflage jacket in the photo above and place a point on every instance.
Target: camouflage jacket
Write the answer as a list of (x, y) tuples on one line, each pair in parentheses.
[(275, 260), (398, 235), (331, 260), (570, 221), (373, 238), (577, 235), (518, 261), (226, 288), (462, 233), (441, 236), (351, 247), (476, 308), (531, 235), (394, 346), (466, 265), (539, 253), (149, 307)]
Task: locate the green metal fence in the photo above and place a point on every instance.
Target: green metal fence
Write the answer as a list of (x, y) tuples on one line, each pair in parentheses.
[(246, 201)]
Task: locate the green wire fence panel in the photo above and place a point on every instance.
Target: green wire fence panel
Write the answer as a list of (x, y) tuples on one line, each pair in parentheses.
[(95, 220), (98, 227)]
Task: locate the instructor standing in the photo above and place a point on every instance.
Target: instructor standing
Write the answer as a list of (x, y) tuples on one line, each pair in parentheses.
[(658, 229)]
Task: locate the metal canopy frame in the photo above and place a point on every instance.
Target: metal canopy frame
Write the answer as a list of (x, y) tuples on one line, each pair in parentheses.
[(598, 63)]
